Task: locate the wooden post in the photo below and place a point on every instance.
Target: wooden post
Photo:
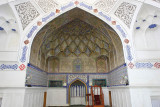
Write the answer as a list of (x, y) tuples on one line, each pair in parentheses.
[(45, 97), (110, 99)]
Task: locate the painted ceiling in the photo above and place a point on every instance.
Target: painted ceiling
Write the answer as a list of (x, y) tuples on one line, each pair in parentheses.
[(74, 33)]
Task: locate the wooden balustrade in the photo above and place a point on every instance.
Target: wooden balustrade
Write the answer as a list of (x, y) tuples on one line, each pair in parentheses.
[(97, 98)]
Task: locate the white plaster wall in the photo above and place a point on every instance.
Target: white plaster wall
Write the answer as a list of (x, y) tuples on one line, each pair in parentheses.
[(106, 95), (9, 48), (9, 38), (56, 97), (34, 97), (120, 97), (144, 77), (141, 96), (12, 97), (12, 78), (146, 40)]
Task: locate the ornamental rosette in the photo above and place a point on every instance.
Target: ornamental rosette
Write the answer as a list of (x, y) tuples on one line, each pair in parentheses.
[(157, 65)]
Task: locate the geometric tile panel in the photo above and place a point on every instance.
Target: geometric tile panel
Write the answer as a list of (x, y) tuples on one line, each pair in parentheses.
[(113, 78), (27, 12), (37, 77), (72, 77), (125, 12), (116, 76)]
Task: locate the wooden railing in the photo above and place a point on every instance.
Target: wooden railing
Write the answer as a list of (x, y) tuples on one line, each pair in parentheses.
[(97, 97)]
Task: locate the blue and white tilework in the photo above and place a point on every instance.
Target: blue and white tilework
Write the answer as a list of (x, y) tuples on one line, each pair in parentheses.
[(67, 6), (143, 65), (121, 30), (8, 67), (105, 16), (113, 78), (86, 6), (38, 77), (116, 76), (129, 57), (47, 17), (73, 77), (32, 31), (23, 57)]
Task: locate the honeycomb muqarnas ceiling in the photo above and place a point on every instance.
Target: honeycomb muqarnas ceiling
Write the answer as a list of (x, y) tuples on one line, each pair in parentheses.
[(74, 33), (76, 37)]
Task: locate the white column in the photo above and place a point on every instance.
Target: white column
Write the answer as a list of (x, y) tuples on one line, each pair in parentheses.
[(77, 91)]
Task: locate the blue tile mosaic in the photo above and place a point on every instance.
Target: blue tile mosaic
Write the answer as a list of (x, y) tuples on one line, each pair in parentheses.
[(47, 17), (113, 77), (37, 77), (85, 5), (9, 67), (144, 65), (105, 16), (32, 31), (23, 57), (129, 55), (116, 76), (121, 30), (67, 6)]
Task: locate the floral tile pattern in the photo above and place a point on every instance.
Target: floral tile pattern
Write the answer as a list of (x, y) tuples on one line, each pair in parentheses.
[(27, 12), (125, 12)]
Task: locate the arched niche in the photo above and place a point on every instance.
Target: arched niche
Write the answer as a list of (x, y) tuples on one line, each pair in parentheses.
[(127, 49), (9, 30), (146, 29), (83, 90), (77, 38)]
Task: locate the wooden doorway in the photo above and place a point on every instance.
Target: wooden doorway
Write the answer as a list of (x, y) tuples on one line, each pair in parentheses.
[(45, 97), (110, 99)]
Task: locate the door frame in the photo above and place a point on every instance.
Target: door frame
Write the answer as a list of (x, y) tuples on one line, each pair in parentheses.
[(70, 87)]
